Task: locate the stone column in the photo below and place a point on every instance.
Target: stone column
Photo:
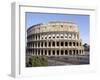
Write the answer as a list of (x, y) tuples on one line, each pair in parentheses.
[(67, 35), (67, 43), (59, 52), (40, 36), (43, 52), (64, 52), (72, 51), (68, 52), (64, 43), (47, 52), (34, 51), (43, 44), (47, 44)]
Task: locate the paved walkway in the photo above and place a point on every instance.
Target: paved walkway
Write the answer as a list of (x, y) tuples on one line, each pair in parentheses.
[(72, 60)]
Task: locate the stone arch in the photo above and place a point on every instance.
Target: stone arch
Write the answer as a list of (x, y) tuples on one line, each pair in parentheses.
[(62, 52), (66, 52), (70, 43), (70, 52)]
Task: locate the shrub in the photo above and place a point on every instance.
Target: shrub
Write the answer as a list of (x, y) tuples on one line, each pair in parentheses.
[(39, 61)]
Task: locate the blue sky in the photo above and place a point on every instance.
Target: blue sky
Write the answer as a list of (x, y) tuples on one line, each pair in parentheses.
[(81, 20)]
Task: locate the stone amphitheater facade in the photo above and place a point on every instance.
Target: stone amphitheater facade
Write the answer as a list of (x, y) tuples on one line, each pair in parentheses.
[(56, 38)]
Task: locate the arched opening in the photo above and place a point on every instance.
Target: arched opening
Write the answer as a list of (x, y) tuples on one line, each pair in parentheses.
[(41, 52), (45, 44), (62, 44), (66, 43), (70, 36), (57, 43), (39, 37), (49, 44), (53, 52), (70, 43), (32, 44), (77, 43), (33, 51), (45, 52), (66, 52), (80, 44), (35, 44), (80, 51), (62, 52), (62, 26), (38, 44), (33, 37), (53, 43), (73, 52), (49, 52), (38, 52), (41, 44), (70, 52), (76, 52), (57, 52), (73, 43)]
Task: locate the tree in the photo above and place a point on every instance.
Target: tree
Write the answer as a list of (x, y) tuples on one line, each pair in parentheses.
[(86, 47), (39, 61), (29, 63)]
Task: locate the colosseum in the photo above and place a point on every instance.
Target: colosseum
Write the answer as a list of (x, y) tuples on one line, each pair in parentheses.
[(55, 38)]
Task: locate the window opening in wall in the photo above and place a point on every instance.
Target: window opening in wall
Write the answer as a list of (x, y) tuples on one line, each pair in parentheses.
[(53, 43), (33, 51), (33, 36), (70, 43), (66, 43), (77, 43), (41, 44), (49, 37), (57, 36), (62, 44), (49, 44), (57, 43), (57, 52), (39, 37), (65, 36), (36, 37), (36, 51), (70, 36), (80, 43), (41, 52), (49, 52), (35, 44), (53, 25), (53, 36), (80, 51), (73, 52), (62, 26), (45, 44), (73, 43), (77, 52), (66, 52), (38, 44), (70, 52), (45, 37), (53, 52), (62, 52), (62, 36), (45, 52)]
